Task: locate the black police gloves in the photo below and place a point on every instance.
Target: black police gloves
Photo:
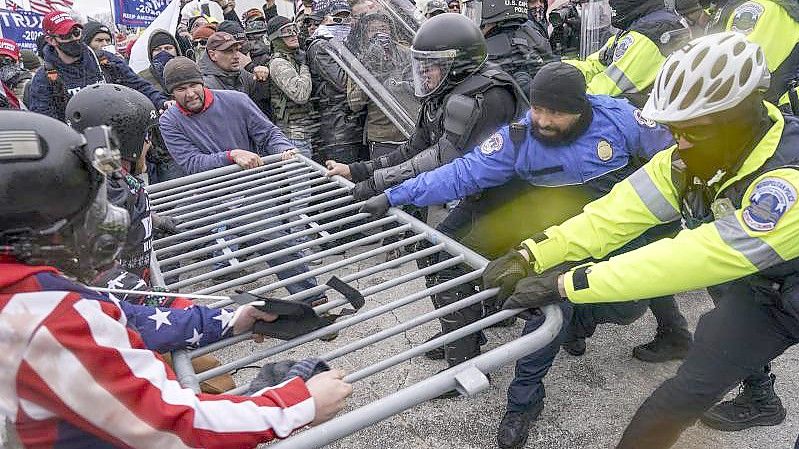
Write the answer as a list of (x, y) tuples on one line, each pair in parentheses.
[(377, 205), (535, 291), (364, 190), (505, 273), (165, 226)]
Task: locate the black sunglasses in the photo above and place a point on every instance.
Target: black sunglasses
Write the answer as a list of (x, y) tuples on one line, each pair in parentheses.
[(694, 134), (75, 33)]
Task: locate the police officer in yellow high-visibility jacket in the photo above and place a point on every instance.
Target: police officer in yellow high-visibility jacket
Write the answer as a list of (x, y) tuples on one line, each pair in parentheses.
[(628, 63), (772, 24), (732, 178), (626, 67)]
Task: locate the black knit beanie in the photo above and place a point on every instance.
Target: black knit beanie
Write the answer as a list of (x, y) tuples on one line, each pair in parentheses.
[(160, 38), (561, 87), (92, 29)]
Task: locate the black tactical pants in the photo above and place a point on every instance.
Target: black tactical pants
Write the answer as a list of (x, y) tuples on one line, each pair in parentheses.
[(751, 325)]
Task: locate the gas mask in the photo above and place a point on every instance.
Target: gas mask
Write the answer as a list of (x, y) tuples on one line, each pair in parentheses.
[(91, 240), (538, 14), (99, 236)]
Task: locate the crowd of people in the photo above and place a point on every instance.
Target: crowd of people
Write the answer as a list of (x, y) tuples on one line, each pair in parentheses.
[(663, 162)]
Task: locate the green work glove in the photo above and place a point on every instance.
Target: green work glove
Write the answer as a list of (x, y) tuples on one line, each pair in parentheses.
[(535, 291), (505, 273)]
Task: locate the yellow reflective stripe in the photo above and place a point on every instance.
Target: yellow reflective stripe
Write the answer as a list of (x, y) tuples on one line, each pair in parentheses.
[(652, 197), (755, 249), (620, 79)]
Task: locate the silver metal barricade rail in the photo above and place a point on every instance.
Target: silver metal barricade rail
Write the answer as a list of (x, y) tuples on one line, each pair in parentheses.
[(239, 228)]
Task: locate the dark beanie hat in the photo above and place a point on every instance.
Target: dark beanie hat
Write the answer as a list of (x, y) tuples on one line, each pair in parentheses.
[(559, 86), (92, 29), (181, 70), (160, 38)]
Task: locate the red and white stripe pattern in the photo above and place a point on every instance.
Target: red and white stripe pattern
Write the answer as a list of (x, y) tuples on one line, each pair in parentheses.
[(45, 6), (72, 359), (12, 5)]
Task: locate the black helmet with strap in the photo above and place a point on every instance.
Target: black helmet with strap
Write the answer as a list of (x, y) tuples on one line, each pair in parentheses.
[(129, 113), (55, 210), (446, 50)]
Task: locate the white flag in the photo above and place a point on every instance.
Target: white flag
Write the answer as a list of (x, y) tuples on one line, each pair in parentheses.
[(167, 20)]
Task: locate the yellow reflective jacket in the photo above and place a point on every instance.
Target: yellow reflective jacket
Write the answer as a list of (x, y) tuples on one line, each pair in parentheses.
[(629, 61), (772, 24), (757, 233)]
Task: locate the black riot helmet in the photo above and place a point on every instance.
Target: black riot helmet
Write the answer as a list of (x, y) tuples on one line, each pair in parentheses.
[(446, 50), (128, 112), (55, 210), (484, 12)]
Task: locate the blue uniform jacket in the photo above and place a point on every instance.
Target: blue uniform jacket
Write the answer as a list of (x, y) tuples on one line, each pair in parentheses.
[(80, 74), (617, 142)]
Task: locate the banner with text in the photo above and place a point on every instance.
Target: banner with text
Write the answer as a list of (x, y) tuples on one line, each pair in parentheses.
[(23, 27), (137, 13)]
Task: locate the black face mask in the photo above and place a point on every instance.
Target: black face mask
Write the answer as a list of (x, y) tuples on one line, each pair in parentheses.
[(722, 146), (72, 49), (537, 14)]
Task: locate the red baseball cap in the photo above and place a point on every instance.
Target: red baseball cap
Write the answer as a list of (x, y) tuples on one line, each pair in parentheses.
[(9, 48), (58, 22)]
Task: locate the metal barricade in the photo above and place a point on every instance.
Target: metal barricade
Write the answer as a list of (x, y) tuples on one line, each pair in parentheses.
[(278, 218)]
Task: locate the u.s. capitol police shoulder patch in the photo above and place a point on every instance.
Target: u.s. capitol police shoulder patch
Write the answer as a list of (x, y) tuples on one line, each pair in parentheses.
[(745, 17), (492, 144), (643, 121), (622, 47), (770, 200)]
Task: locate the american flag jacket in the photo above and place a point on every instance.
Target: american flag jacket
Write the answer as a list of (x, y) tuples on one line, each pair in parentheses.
[(76, 372)]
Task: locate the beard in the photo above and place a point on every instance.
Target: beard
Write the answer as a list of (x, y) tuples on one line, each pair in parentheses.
[(560, 138)]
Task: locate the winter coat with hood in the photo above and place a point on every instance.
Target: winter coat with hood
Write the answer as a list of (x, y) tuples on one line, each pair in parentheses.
[(50, 98), (240, 80), (155, 74)]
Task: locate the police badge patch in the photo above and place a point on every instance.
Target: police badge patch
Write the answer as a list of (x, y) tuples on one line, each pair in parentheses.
[(745, 17), (492, 144), (643, 121), (604, 151), (622, 47), (770, 200)]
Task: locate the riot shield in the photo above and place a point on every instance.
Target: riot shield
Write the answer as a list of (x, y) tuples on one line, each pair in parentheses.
[(595, 28), (376, 58)]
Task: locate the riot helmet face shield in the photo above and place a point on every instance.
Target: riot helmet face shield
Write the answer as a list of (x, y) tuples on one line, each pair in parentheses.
[(473, 10), (430, 70)]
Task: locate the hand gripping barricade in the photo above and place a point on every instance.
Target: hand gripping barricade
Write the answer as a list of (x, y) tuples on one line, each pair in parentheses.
[(228, 212)]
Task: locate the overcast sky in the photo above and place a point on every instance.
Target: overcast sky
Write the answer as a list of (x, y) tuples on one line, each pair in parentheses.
[(92, 6)]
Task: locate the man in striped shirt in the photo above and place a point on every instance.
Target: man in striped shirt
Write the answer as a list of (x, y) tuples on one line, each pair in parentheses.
[(76, 367)]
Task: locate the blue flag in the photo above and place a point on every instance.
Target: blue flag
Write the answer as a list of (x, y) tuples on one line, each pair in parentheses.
[(137, 13), (22, 27)]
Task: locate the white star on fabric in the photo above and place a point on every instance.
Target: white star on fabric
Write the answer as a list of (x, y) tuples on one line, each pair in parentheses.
[(195, 339), (160, 317), (224, 317)]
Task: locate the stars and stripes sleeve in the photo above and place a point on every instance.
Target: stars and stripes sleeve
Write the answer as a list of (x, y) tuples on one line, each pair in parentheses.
[(85, 366), (166, 329)]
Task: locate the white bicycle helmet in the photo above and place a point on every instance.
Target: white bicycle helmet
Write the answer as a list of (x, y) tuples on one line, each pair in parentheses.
[(710, 74)]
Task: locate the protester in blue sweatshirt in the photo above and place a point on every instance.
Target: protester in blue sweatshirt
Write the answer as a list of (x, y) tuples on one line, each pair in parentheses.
[(70, 65), (213, 128)]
